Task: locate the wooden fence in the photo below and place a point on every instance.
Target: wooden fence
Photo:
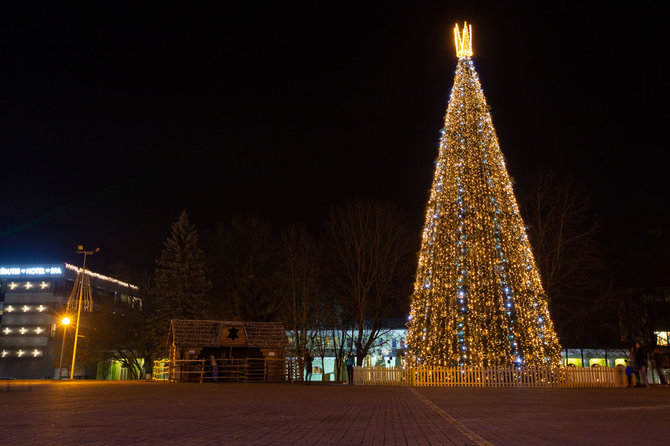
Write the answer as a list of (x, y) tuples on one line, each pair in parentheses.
[(492, 376), (245, 370), (251, 370)]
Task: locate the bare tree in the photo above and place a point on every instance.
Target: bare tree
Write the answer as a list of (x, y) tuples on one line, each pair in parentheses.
[(339, 331), (564, 234), (298, 277), (635, 318), (642, 313), (371, 249), (309, 310)]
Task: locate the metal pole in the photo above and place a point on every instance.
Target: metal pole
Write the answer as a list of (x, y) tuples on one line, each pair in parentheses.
[(62, 347), (76, 333)]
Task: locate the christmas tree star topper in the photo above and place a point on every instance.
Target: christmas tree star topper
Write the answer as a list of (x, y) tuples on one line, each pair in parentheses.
[(464, 42)]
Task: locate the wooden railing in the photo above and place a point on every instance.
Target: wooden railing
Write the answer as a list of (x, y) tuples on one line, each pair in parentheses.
[(245, 370), (491, 376)]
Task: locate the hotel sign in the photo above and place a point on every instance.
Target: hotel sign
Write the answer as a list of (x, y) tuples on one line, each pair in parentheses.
[(31, 271)]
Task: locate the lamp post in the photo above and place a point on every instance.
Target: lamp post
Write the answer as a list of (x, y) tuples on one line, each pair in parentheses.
[(64, 322), (80, 250)]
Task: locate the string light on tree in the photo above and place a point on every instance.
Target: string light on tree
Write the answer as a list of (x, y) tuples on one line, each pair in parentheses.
[(478, 299)]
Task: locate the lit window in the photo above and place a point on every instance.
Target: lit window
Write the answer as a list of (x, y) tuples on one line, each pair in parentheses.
[(41, 308), (25, 308), (39, 330), (9, 309), (20, 353), (662, 338), (5, 353), (23, 330), (7, 330), (29, 285), (13, 285), (36, 353), (44, 285)]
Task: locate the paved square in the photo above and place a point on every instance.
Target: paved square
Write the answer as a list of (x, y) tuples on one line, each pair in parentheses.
[(129, 413)]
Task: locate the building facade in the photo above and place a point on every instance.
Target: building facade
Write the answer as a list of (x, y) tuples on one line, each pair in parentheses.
[(33, 299), (390, 348)]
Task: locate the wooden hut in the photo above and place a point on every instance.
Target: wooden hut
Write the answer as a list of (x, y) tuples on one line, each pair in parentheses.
[(241, 348)]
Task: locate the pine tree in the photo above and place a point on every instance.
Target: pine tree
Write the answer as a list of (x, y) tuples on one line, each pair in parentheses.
[(245, 256), (478, 298), (180, 284)]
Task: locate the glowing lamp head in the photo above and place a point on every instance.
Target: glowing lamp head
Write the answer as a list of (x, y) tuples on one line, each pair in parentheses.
[(463, 41), (65, 321)]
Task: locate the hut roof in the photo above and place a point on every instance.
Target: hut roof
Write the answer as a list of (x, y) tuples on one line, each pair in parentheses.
[(195, 333)]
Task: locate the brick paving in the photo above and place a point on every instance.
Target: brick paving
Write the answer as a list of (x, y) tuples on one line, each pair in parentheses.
[(129, 413)]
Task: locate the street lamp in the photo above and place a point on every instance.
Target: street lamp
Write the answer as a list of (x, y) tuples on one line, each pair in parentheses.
[(64, 322), (80, 250)]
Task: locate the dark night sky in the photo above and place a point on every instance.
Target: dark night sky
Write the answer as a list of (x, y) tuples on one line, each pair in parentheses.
[(116, 118)]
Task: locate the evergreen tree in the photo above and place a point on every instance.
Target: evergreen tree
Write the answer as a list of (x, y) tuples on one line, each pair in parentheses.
[(244, 255), (180, 284), (478, 298)]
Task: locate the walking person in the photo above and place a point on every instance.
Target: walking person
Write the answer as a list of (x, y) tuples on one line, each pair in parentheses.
[(640, 360), (308, 367), (349, 362), (660, 363), (215, 368)]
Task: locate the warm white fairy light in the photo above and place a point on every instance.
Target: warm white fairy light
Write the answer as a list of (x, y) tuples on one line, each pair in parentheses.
[(464, 41), (478, 298), (29, 285), (100, 276), (13, 285)]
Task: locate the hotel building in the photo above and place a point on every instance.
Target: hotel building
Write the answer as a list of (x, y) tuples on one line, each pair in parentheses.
[(32, 301)]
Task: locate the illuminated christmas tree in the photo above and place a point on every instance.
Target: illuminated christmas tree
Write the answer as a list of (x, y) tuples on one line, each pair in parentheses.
[(478, 298)]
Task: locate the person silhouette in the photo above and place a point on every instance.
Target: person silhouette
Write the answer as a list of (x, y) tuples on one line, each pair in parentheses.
[(639, 354), (308, 367), (349, 362)]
